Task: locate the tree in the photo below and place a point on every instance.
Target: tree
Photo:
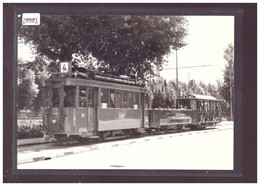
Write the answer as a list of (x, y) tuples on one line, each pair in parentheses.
[(165, 94), (213, 91), (41, 69), (31, 76), (27, 88), (158, 100), (207, 89), (131, 43), (227, 86)]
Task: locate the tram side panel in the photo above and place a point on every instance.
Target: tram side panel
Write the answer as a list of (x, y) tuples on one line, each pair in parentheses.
[(119, 119), (170, 118), (119, 109)]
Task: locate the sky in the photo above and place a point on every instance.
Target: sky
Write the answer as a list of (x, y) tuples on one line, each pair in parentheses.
[(208, 37)]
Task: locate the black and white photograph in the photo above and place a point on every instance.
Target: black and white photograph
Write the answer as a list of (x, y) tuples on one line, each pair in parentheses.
[(128, 90)]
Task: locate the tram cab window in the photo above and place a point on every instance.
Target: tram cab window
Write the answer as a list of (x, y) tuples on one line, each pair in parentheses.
[(112, 99), (136, 100), (183, 104), (104, 98), (124, 99), (118, 102), (82, 97), (55, 97), (91, 98), (186, 104), (69, 98), (130, 100)]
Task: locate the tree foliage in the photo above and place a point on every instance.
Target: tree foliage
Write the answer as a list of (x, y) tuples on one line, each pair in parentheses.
[(131, 43), (27, 88), (226, 88), (228, 83), (31, 76), (206, 89), (165, 93)]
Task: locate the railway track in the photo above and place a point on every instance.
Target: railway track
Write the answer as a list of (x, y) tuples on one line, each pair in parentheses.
[(72, 143)]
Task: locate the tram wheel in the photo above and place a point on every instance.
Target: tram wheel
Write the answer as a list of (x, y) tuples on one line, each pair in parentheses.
[(82, 140), (193, 127)]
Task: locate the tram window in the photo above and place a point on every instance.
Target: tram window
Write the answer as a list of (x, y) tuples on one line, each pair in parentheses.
[(104, 98), (118, 99), (212, 106), (55, 97), (186, 104), (181, 104), (91, 98), (178, 104), (203, 106), (193, 104), (112, 99), (69, 98), (206, 106), (124, 99), (82, 97), (146, 101), (217, 109), (130, 100), (136, 100), (46, 96), (200, 106)]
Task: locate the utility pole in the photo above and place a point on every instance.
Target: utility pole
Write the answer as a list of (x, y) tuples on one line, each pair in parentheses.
[(177, 86), (189, 83), (231, 95)]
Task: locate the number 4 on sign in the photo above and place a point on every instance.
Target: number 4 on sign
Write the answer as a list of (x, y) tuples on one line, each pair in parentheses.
[(64, 67)]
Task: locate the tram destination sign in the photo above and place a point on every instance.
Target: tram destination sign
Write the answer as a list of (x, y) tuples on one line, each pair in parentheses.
[(65, 67)]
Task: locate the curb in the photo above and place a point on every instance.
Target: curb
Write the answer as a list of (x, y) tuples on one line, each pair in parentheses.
[(33, 143)]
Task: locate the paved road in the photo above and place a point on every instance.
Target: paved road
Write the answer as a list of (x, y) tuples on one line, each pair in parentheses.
[(204, 149)]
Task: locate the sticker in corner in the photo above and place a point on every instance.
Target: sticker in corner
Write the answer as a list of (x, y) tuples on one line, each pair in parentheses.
[(30, 19)]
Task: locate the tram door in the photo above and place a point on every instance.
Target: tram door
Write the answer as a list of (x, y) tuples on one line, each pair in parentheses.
[(86, 116)]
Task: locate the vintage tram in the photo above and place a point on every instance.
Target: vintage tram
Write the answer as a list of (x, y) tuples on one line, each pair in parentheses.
[(88, 104), (93, 105), (206, 110), (193, 111)]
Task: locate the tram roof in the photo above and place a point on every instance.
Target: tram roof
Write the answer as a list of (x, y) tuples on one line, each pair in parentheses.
[(93, 83), (204, 97)]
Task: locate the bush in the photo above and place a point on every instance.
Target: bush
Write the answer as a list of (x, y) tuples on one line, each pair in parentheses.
[(29, 131)]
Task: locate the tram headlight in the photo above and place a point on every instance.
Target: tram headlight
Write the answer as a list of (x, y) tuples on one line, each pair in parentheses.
[(54, 121), (75, 74)]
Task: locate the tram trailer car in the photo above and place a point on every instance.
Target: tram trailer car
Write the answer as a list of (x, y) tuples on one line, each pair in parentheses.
[(105, 106), (206, 110), (194, 111)]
